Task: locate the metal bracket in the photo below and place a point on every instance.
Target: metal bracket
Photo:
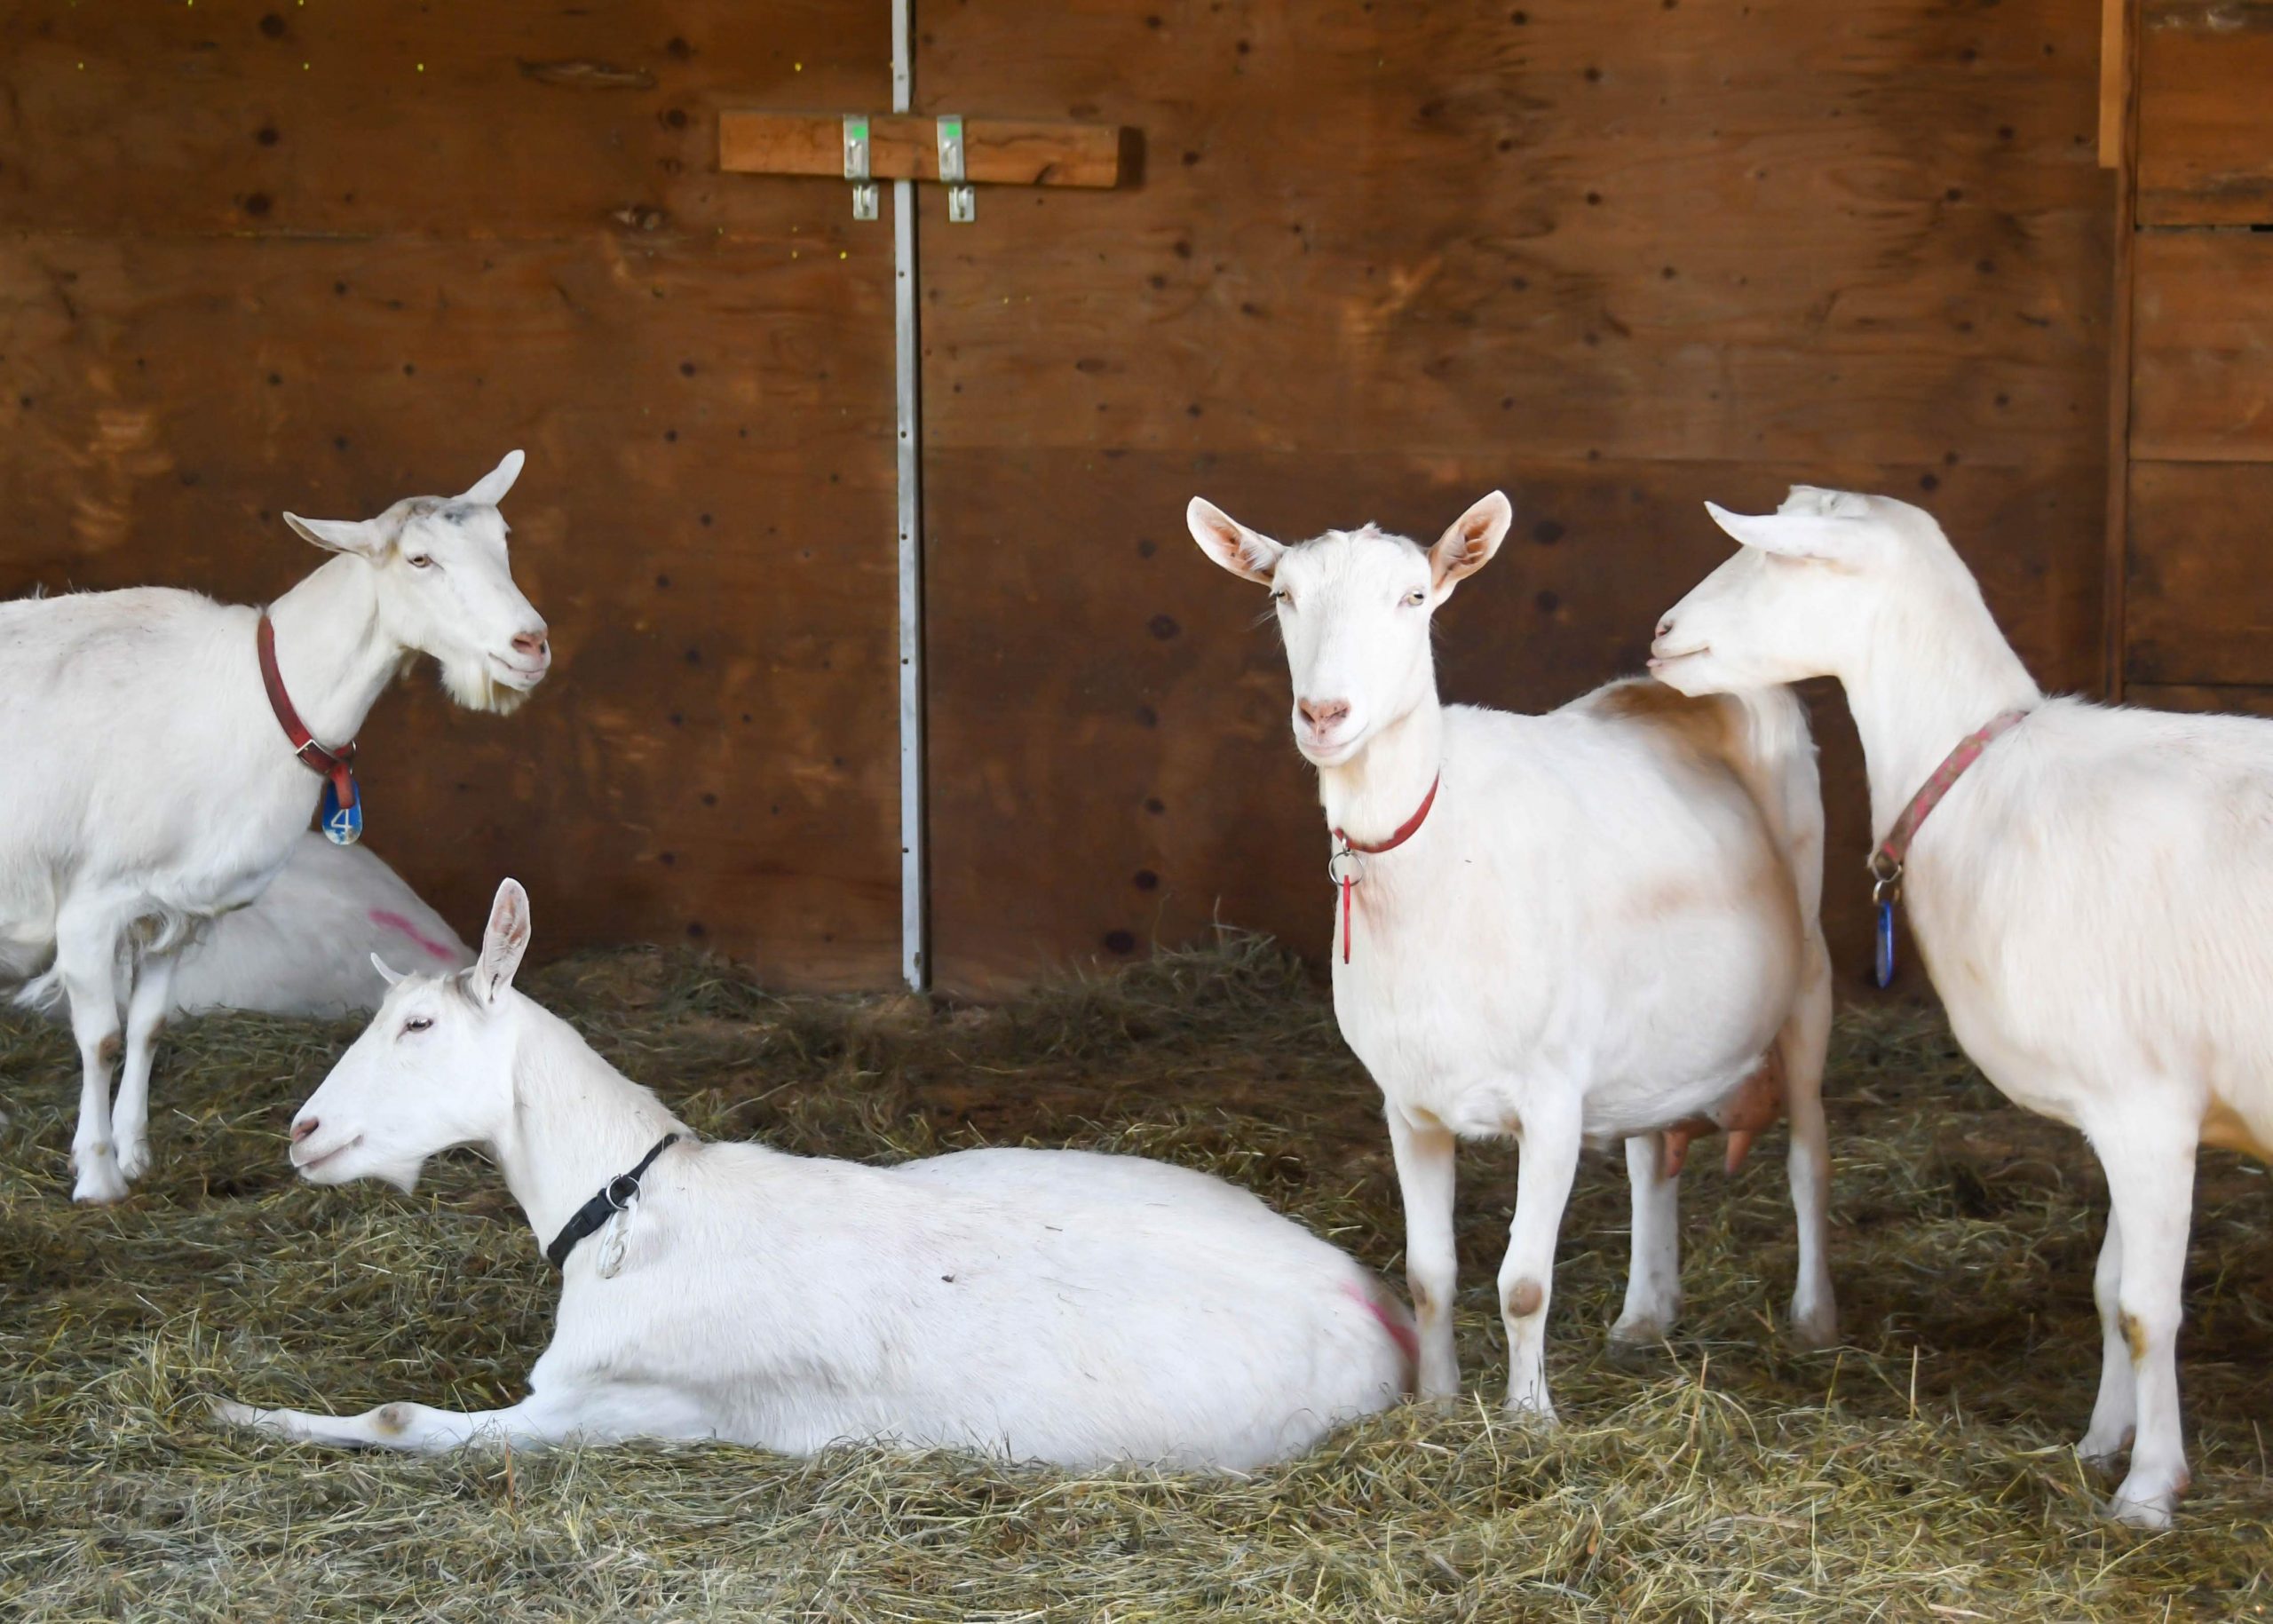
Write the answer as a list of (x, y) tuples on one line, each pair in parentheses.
[(856, 166), (962, 197)]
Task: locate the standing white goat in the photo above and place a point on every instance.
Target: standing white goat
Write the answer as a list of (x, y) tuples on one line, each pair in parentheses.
[(2092, 897), (151, 783), (1589, 923), (1052, 1305)]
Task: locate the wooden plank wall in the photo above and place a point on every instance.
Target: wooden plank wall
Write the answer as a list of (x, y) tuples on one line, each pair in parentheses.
[(2198, 615), (1614, 258), (260, 256)]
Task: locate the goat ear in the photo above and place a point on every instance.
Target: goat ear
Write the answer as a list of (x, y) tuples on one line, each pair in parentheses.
[(387, 973), (504, 942), (490, 489), (1248, 554), (366, 538), (1833, 538), (1468, 546)]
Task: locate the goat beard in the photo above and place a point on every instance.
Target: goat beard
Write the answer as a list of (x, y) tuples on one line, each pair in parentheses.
[(471, 684)]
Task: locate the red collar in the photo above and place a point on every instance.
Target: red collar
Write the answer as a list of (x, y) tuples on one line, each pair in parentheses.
[(1345, 868), (1886, 860), (337, 765)]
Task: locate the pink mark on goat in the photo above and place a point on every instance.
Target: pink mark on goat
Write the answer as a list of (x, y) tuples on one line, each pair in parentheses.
[(393, 920), (1400, 1333)]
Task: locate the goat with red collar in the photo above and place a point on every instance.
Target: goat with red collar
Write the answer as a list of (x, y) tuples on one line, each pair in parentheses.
[(163, 752), (1592, 924), (2091, 888)]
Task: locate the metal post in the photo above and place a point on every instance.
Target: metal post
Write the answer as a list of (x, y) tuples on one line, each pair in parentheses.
[(913, 889)]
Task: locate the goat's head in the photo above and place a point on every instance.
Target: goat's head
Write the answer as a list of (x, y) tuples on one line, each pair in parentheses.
[(434, 1069), (445, 588), (1353, 606), (1799, 597)]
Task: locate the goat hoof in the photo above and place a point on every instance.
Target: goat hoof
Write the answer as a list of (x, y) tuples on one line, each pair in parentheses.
[(2149, 1506), (1535, 1416), (1813, 1331), (1637, 1341), (100, 1182), (134, 1158)]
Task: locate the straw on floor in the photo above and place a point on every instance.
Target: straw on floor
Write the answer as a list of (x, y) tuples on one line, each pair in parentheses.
[(1920, 1472)]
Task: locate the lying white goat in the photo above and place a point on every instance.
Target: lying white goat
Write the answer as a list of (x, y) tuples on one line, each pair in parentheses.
[(2092, 896), (151, 781), (304, 945), (1585, 925), (1050, 1305)]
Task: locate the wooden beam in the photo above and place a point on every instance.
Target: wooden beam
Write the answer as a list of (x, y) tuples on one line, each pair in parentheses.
[(903, 147)]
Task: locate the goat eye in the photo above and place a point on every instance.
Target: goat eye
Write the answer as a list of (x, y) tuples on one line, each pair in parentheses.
[(1413, 600), (417, 1022), (419, 561), (1283, 601)]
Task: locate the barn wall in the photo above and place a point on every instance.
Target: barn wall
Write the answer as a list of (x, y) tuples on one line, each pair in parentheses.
[(1615, 258), (2197, 616), (265, 256)]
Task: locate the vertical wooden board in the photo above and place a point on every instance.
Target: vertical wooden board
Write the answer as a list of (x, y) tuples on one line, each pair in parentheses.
[(508, 118), (706, 520), (2206, 120), (1109, 713), (1381, 262), (2200, 595), (2202, 365)]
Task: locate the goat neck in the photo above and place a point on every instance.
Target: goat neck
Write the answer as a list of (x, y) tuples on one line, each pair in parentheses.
[(1371, 795), (331, 649), (1926, 674), (576, 1122)]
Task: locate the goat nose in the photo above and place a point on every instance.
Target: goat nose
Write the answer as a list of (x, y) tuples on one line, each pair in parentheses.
[(535, 645), (302, 1128), (1665, 626), (1321, 713)]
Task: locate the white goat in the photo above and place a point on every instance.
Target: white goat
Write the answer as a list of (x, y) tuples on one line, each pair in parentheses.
[(2092, 898), (304, 945), (151, 785), (1602, 920), (1050, 1305)]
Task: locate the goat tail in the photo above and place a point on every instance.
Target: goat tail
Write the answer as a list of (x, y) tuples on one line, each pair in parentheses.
[(42, 992), (1775, 755)]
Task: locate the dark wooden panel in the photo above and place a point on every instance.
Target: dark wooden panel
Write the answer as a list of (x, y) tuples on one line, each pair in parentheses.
[(2205, 118), (2232, 701), (1734, 232), (2199, 599), (996, 151), (2202, 369), (1384, 259), (706, 520), (508, 118), (1111, 699)]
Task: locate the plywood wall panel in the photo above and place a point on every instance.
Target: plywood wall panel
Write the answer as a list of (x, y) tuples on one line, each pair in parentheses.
[(2205, 122), (2202, 364), (1385, 258), (705, 521), (2199, 596), (1112, 765), (506, 118)]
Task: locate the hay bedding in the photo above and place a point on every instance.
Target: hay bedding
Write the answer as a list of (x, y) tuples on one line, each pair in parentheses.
[(1923, 1472)]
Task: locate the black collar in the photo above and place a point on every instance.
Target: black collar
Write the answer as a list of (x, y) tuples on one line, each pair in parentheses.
[(615, 1196)]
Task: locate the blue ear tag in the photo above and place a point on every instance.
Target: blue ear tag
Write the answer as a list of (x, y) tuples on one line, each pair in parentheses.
[(1886, 944), (342, 826)]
